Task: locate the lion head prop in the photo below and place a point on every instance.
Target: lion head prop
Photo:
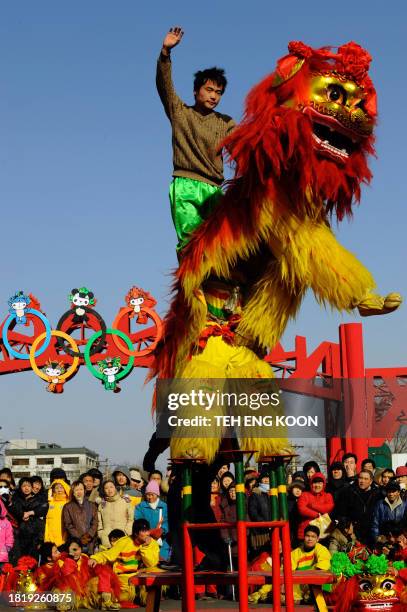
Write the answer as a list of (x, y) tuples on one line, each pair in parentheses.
[(367, 586), (300, 156)]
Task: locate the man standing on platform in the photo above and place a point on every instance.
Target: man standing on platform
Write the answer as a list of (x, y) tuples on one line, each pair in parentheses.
[(197, 132)]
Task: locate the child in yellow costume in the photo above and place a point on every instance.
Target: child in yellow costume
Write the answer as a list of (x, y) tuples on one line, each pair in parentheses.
[(129, 555), (310, 555)]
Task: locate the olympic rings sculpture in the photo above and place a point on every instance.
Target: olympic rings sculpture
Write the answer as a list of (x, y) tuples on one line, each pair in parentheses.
[(53, 369)]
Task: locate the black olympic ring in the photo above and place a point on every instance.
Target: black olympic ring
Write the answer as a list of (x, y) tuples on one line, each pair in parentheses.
[(98, 346)]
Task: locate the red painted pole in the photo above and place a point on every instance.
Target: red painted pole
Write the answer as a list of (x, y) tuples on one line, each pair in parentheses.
[(275, 568), (287, 570), (242, 566), (353, 369), (188, 591), (188, 599)]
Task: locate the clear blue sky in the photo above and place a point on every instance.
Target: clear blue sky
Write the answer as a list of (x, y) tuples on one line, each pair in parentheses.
[(85, 162)]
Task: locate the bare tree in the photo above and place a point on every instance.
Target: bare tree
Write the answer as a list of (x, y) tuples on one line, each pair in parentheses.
[(399, 443)]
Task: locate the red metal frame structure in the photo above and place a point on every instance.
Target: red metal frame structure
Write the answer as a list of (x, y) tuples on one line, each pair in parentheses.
[(277, 531), (344, 361)]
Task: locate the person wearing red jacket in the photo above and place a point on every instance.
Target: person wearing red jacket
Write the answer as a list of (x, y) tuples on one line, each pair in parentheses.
[(313, 503)]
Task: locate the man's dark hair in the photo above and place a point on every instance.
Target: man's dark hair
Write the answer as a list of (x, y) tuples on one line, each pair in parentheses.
[(46, 551), (368, 472), (139, 525), (392, 485), (37, 479), (95, 473), (368, 461), (116, 533), (217, 75), (155, 472), (312, 528), (348, 456), (344, 522), (73, 540)]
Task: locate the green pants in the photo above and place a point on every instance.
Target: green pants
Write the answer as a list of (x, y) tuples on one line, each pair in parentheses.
[(191, 203)]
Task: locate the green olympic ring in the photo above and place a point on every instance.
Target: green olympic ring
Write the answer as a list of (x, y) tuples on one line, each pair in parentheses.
[(88, 346)]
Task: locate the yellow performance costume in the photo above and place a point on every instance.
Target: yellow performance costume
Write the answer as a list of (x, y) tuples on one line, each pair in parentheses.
[(300, 156), (128, 559)]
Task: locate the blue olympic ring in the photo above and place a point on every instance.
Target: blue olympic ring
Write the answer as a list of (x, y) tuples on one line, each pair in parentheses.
[(47, 325)]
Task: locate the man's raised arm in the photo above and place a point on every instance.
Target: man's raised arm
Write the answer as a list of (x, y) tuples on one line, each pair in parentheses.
[(164, 82)]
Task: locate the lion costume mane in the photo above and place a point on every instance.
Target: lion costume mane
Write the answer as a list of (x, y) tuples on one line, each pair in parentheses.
[(300, 156)]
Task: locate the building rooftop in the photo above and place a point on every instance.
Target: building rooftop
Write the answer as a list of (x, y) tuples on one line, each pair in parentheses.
[(53, 450)]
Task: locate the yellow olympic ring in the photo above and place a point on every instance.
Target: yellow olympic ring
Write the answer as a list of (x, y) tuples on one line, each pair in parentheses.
[(72, 368)]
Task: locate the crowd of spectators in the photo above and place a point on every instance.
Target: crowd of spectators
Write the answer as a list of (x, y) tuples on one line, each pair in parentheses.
[(345, 510)]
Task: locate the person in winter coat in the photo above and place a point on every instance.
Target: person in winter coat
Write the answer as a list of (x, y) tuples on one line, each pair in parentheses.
[(337, 479), (6, 535), (114, 512), (58, 496), (391, 508), (295, 490), (6, 496), (342, 538), (215, 499), (310, 468), (121, 478), (80, 518), (29, 511), (154, 510), (259, 510), (313, 503), (229, 516), (357, 502)]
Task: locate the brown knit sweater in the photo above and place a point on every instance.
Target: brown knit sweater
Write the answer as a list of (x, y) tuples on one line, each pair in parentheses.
[(195, 137)]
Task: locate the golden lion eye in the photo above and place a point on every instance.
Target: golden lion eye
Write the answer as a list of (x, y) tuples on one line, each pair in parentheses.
[(387, 585), (365, 586), (336, 93)]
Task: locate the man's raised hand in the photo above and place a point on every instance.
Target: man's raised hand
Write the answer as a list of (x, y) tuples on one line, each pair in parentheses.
[(172, 39)]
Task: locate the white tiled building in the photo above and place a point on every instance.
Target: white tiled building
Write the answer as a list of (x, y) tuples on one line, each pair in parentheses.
[(34, 458)]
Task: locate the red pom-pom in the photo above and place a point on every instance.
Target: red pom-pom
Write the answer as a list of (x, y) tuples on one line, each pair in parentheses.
[(7, 568), (355, 60), (26, 563), (298, 48)]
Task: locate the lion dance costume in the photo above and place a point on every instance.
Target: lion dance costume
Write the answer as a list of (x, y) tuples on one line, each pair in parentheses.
[(300, 156)]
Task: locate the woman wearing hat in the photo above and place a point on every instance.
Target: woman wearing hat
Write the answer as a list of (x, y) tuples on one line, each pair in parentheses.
[(401, 477), (314, 503), (154, 510)]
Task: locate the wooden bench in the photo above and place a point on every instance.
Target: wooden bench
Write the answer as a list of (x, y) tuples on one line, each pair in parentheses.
[(153, 581)]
